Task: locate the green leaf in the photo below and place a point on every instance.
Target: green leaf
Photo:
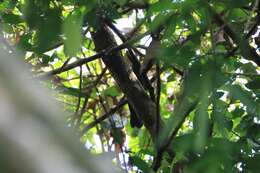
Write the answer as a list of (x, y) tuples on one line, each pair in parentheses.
[(171, 77), (236, 3), (254, 84), (237, 14), (51, 22), (118, 136), (201, 125), (170, 28), (219, 94), (246, 98), (3, 6), (159, 20), (142, 165), (248, 68), (191, 23), (238, 112), (46, 59), (180, 55), (112, 91), (68, 91), (32, 13), (183, 143), (245, 123), (121, 2), (211, 161), (12, 18), (73, 33), (24, 42), (252, 164), (162, 6)]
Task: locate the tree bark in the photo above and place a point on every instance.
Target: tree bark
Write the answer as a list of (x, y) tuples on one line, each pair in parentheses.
[(126, 79)]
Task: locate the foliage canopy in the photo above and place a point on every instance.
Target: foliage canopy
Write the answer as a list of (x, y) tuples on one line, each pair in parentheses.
[(176, 90)]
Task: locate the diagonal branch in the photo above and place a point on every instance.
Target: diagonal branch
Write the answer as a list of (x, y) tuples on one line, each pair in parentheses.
[(88, 95), (136, 66), (102, 53), (126, 79), (103, 117), (247, 51)]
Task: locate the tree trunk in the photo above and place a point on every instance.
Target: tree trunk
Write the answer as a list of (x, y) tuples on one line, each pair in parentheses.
[(126, 79)]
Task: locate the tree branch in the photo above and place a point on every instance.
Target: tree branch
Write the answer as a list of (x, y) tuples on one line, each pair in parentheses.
[(103, 117), (247, 51), (126, 79)]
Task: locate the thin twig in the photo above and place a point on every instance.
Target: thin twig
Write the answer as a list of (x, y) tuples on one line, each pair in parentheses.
[(80, 89), (122, 102), (243, 74), (102, 53)]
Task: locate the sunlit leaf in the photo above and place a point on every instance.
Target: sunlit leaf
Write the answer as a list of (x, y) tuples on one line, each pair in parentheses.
[(73, 32)]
